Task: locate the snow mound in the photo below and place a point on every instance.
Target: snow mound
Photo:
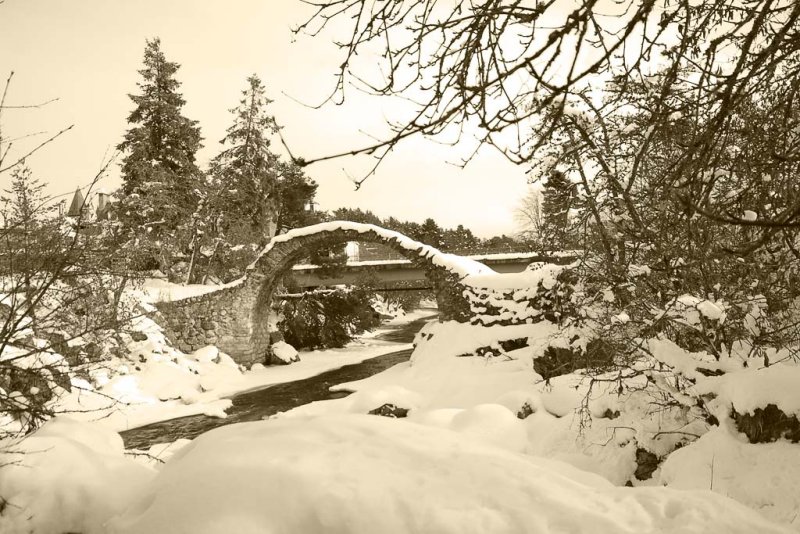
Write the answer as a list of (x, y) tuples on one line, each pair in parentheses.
[(440, 340), (492, 423), (365, 474), (765, 477), (67, 477)]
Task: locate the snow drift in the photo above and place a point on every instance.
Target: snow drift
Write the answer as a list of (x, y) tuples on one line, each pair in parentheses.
[(366, 474)]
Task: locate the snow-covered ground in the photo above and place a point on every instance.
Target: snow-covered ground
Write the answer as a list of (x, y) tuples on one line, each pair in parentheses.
[(487, 446), (482, 399), (350, 473)]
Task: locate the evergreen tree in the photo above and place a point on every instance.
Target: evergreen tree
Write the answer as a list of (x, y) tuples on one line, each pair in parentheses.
[(430, 233), (247, 169), (556, 201), (252, 195), (356, 215), (161, 182), (295, 194), (30, 235), (460, 239), (27, 203)]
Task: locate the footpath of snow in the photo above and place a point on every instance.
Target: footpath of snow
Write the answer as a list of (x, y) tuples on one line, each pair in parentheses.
[(339, 474), (365, 474), (463, 461)]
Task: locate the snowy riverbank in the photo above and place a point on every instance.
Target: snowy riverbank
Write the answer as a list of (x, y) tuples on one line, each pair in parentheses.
[(482, 443), (163, 383)]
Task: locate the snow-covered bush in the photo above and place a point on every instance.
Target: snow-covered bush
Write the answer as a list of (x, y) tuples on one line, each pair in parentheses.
[(61, 305)]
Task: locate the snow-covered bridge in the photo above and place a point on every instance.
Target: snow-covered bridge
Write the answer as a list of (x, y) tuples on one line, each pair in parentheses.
[(236, 317), (399, 274)]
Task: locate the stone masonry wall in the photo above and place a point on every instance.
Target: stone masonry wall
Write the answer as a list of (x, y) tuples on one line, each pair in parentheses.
[(217, 319), (235, 318)]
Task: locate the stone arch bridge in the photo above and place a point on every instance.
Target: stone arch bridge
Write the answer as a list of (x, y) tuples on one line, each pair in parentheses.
[(235, 317)]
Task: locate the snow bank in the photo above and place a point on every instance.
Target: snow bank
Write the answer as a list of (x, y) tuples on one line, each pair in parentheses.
[(364, 474), (67, 477), (153, 381), (765, 477), (479, 397)]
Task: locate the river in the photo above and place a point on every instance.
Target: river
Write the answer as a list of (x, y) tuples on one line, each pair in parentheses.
[(256, 404)]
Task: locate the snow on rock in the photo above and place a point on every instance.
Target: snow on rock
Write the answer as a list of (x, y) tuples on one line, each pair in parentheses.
[(741, 388), (751, 388), (765, 477), (152, 381), (209, 354), (283, 353), (680, 360), (67, 477), (364, 474), (369, 400)]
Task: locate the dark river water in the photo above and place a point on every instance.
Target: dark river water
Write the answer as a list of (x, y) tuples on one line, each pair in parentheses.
[(257, 404)]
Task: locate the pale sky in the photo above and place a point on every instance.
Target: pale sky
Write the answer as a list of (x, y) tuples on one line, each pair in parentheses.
[(87, 54)]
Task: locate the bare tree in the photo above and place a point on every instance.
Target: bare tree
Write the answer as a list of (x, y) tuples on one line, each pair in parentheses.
[(8, 158), (677, 122), (528, 216), (493, 67), (60, 293)]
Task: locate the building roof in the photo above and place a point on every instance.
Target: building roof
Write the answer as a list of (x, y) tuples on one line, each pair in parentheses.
[(76, 206)]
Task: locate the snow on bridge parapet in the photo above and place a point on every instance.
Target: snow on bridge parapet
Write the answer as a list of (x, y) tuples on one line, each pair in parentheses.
[(459, 265), (235, 317)]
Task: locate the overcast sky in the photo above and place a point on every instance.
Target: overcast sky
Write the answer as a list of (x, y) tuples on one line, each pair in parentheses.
[(87, 53)]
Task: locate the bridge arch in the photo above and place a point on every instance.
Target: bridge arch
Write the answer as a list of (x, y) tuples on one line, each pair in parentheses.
[(235, 318)]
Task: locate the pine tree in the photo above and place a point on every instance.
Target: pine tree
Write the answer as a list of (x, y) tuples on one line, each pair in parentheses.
[(431, 234), (161, 182), (246, 168), (30, 234), (253, 195), (556, 202)]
